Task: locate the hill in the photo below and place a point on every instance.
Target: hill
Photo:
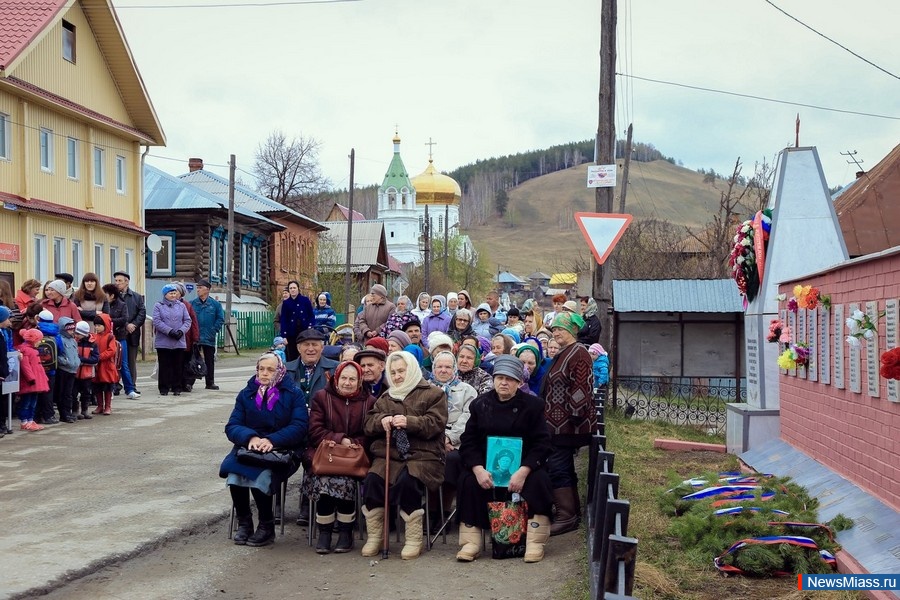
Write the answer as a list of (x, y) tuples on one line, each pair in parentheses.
[(539, 233)]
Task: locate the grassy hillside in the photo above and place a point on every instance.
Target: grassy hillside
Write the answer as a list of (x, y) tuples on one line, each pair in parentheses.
[(539, 233)]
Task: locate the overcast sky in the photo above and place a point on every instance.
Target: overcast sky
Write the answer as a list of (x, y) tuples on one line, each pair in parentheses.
[(485, 78)]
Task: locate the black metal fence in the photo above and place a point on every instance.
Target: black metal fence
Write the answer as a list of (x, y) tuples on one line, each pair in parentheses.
[(611, 553), (694, 401)]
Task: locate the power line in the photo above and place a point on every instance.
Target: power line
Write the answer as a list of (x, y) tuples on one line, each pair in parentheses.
[(838, 44), (764, 99)]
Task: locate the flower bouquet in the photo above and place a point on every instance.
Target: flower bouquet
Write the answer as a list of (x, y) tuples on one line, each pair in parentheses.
[(890, 364), (860, 327), (806, 296), (795, 355), (778, 332)]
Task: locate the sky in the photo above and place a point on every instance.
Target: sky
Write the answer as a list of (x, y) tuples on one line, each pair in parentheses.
[(485, 78)]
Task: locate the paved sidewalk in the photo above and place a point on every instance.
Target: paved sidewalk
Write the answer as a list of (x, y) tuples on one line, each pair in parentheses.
[(76, 497)]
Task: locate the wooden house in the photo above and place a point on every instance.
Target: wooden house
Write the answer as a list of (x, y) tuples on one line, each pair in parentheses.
[(193, 227), (74, 114), (369, 259)]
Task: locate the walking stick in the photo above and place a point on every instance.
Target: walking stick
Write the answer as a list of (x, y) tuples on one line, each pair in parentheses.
[(386, 541)]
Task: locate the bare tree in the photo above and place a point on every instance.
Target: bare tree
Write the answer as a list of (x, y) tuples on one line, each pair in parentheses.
[(651, 249), (287, 169)]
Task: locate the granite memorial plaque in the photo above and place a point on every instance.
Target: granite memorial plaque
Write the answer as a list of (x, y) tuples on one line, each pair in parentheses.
[(838, 343)]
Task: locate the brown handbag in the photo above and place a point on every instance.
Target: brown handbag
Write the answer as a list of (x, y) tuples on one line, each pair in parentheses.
[(332, 458)]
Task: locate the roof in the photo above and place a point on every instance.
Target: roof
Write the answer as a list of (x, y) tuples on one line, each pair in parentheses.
[(22, 24), (369, 247), (357, 216), (539, 275), (563, 279), (13, 202), (396, 176), (394, 265), (218, 186), (868, 210), (507, 277), (433, 187), (677, 295), (167, 192)]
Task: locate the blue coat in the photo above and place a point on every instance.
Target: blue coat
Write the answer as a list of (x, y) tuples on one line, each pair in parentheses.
[(296, 315), (210, 318), (285, 426), (601, 370)]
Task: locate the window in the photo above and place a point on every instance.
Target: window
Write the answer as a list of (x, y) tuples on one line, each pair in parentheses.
[(113, 259), (40, 257), (129, 261), (251, 263), (77, 260), (72, 158), (120, 174), (440, 223), (59, 255), (46, 143), (98, 262), (68, 41), (217, 255), (4, 136), (162, 263), (99, 173)]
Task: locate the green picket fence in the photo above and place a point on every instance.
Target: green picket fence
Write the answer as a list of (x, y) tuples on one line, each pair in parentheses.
[(256, 329)]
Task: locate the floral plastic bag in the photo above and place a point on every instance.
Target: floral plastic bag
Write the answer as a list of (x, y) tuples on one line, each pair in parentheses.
[(509, 524)]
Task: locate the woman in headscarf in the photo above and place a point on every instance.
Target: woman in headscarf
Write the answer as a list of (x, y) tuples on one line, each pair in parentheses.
[(463, 299), (532, 356), (567, 391), (423, 306), (324, 318), (399, 318), (468, 365), (269, 413), (461, 325), (336, 413), (590, 333), (415, 412)]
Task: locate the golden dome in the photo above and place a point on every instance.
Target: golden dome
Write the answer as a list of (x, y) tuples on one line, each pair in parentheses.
[(433, 187)]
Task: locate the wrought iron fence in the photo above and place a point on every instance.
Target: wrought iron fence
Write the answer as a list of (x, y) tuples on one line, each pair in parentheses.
[(695, 401)]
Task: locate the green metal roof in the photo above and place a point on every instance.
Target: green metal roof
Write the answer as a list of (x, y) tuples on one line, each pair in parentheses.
[(396, 176)]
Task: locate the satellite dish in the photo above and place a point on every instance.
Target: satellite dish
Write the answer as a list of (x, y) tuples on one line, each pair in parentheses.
[(154, 243)]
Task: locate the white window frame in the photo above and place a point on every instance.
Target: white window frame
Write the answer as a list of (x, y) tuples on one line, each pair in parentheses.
[(120, 174), (5, 137), (59, 255), (77, 260), (40, 257), (129, 261), (45, 149), (162, 263), (72, 158), (99, 257), (99, 167), (113, 259), (68, 42)]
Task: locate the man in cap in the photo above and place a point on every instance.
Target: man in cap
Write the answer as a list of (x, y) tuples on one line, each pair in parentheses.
[(374, 315), (67, 278), (413, 328), (310, 368), (137, 314), (371, 360), (210, 319)]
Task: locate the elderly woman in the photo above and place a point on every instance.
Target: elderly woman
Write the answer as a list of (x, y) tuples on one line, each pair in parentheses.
[(569, 408), (171, 322), (590, 332), (468, 367), (423, 306), (506, 411), (336, 413), (324, 317), (399, 318), (461, 325), (532, 356), (415, 412), (459, 394), (269, 413)]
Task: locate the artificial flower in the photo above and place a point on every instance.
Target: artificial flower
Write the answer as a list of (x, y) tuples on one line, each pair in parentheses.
[(853, 341), (890, 364)]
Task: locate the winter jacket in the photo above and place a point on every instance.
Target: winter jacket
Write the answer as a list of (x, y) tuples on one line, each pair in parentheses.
[(436, 322), (458, 401), (67, 354), (66, 308), (32, 377), (590, 333), (601, 370), (421, 313), (88, 308), (483, 328), (52, 330), (137, 314), (425, 408), (89, 355), (324, 318), (334, 417), (296, 316), (479, 379), (320, 374), (210, 319), (396, 320), (193, 333), (107, 346), (23, 301), (569, 397), (373, 316), (118, 312), (168, 316)]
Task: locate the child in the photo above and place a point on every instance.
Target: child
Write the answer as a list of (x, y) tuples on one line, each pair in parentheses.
[(601, 365), (278, 346), (89, 356), (49, 352), (66, 365), (107, 374), (33, 379), (481, 326), (5, 347)]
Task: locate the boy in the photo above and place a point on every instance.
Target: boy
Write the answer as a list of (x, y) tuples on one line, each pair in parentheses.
[(89, 356), (66, 365), (49, 346), (482, 326), (278, 346)]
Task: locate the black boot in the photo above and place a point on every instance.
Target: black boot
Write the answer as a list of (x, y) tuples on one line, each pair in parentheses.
[(244, 530), (323, 546), (345, 535), (265, 534)]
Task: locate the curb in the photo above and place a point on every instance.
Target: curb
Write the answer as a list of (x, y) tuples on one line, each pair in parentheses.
[(683, 446)]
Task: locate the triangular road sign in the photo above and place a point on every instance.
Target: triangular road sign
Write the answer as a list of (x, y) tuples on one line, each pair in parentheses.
[(602, 231)]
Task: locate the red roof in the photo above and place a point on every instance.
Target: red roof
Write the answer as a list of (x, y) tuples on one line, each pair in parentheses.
[(357, 216), (68, 212), (21, 22), (394, 265)]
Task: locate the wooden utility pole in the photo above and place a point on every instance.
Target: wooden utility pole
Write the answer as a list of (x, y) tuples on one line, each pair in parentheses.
[(446, 239), (606, 147), (229, 258), (625, 170), (426, 233), (349, 237)]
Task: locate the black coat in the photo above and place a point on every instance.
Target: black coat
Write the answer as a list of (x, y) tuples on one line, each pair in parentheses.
[(590, 333), (137, 314)]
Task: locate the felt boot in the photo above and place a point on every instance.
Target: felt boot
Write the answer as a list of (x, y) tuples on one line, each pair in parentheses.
[(537, 536), (412, 545), (567, 517), (374, 529), (326, 527), (265, 534), (470, 540), (244, 530), (345, 525)]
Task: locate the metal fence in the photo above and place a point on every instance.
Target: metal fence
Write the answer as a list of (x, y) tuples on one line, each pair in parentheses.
[(253, 329), (694, 401)]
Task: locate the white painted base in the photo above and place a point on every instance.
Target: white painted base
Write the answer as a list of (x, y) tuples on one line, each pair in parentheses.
[(748, 427)]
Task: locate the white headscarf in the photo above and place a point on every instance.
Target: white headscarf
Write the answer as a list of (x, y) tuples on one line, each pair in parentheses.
[(413, 374)]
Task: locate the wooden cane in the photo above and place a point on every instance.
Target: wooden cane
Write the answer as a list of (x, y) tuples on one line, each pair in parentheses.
[(386, 535)]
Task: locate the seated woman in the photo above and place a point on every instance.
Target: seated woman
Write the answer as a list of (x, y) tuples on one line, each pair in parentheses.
[(336, 413), (269, 413), (468, 366), (461, 325), (415, 412), (505, 412)]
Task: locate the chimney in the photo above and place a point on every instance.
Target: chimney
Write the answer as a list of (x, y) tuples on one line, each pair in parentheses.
[(195, 164), (859, 174)]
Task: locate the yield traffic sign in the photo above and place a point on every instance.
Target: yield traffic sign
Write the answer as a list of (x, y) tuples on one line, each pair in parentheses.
[(602, 231)]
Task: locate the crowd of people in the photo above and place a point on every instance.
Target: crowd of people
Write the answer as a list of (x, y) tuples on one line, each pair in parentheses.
[(422, 387)]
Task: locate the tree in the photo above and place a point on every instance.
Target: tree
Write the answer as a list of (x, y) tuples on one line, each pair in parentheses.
[(288, 169), (501, 200)]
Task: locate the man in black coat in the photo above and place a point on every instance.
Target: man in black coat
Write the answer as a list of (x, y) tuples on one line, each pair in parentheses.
[(137, 314)]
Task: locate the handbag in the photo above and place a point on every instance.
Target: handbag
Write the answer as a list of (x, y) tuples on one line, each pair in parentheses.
[(332, 458), (509, 525), (273, 459), (195, 367)]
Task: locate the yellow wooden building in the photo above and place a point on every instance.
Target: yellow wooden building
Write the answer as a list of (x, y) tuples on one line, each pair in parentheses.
[(74, 115)]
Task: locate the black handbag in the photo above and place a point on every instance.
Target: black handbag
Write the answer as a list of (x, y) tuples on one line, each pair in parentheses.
[(273, 459), (195, 367)]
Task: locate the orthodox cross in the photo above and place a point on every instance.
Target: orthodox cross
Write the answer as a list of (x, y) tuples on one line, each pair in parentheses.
[(430, 145)]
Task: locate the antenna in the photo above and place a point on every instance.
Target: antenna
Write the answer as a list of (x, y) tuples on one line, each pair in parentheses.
[(855, 161)]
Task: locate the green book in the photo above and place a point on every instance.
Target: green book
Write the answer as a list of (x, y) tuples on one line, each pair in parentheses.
[(504, 457)]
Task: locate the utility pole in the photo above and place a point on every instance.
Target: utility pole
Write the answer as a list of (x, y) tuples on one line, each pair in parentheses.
[(446, 238), (349, 237), (625, 170), (606, 146), (229, 258), (427, 234)]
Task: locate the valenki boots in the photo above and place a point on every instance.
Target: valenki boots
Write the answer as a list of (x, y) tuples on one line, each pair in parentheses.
[(412, 545), (374, 529), (470, 541), (244, 530), (538, 535), (345, 524), (326, 527), (107, 400)]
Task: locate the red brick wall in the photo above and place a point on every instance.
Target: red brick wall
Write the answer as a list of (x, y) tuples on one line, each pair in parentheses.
[(853, 434)]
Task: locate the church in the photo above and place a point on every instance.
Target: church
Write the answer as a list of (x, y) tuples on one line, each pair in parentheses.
[(402, 203)]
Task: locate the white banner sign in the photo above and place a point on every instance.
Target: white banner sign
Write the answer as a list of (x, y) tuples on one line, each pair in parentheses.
[(601, 176)]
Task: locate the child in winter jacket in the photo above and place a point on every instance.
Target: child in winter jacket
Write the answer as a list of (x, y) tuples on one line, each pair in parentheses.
[(33, 379), (325, 319), (107, 374), (88, 356), (601, 364), (66, 365)]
